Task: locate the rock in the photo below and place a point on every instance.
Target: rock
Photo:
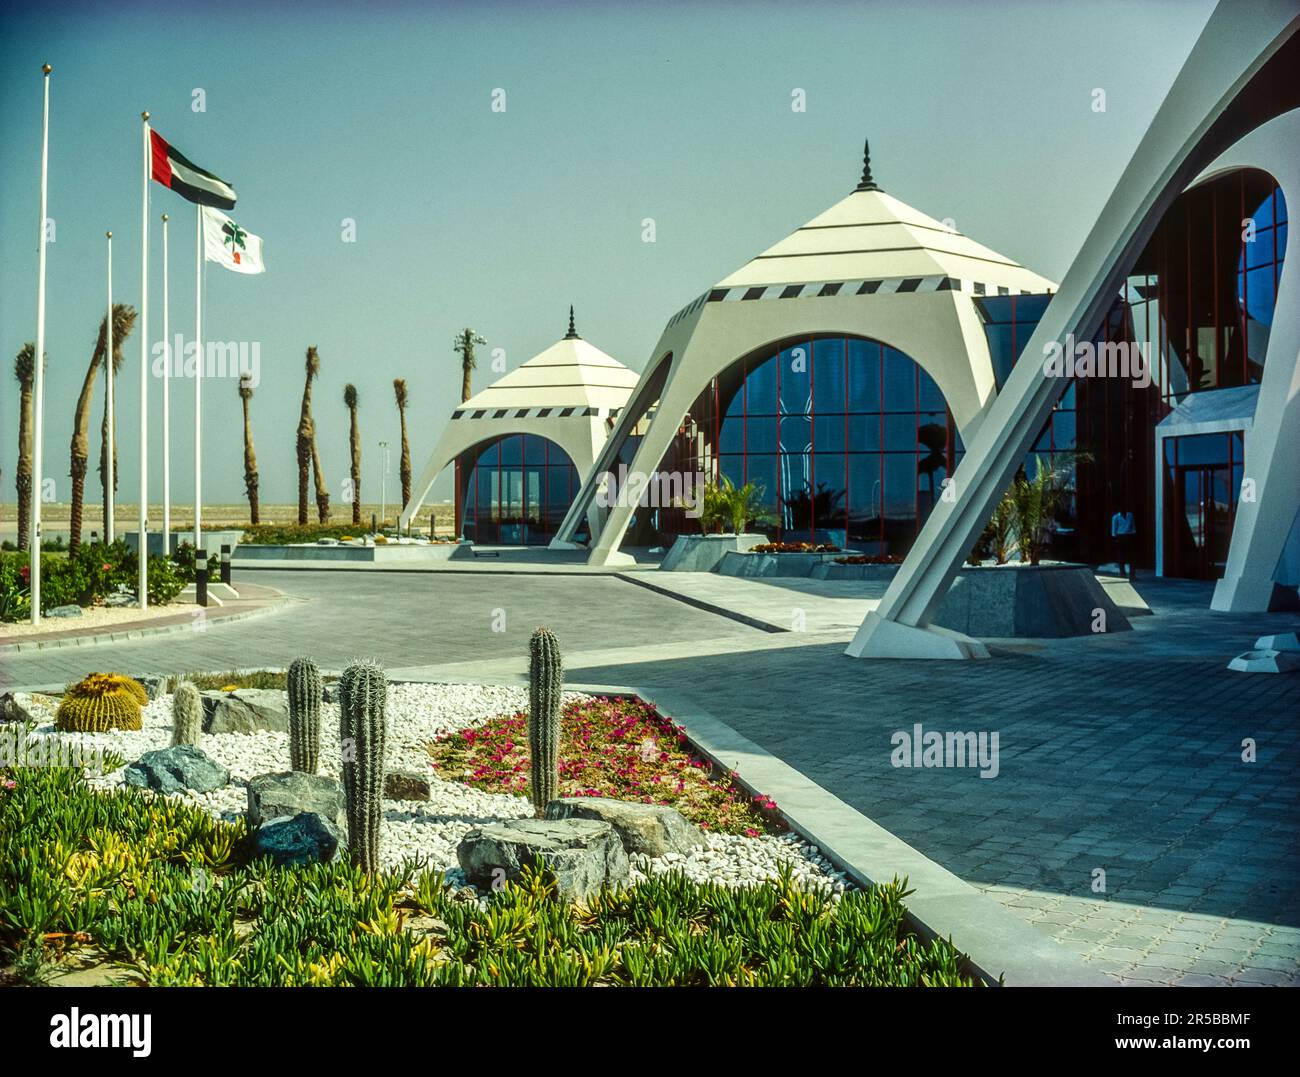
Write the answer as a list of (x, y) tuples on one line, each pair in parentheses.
[(328, 694), (292, 840), (154, 684), (176, 769), (245, 710), (64, 611), (120, 598), (406, 785), (652, 829), (27, 707), (290, 793), (582, 854)]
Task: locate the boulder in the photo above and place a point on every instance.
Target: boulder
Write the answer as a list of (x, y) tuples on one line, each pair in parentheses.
[(70, 610), (406, 785), (271, 796), (292, 840), (153, 684), (245, 710), (176, 769), (27, 707), (582, 854), (120, 599), (651, 829)]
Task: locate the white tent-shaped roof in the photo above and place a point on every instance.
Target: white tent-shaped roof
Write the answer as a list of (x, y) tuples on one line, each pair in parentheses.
[(569, 393)]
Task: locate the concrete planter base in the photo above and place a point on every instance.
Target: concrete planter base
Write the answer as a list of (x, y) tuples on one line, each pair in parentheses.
[(753, 565), (1031, 602), (255, 556), (703, 553)]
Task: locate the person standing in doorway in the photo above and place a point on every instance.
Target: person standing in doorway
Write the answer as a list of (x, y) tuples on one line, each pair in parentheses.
[(1123, 533)]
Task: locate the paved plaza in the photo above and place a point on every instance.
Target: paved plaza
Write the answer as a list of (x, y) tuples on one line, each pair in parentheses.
[(1120, 758)]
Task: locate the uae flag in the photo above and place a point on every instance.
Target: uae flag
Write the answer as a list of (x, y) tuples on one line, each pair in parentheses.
[(173, 169), (227, 244)]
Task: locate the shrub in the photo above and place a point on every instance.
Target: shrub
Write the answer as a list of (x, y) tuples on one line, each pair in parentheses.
[(15, 595), (165, 581), (100, 702)]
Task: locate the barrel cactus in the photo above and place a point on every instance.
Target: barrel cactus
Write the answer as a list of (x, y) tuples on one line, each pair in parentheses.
[(545, 685), (187, 714), (304, 715), (363, 697), (100, 702)]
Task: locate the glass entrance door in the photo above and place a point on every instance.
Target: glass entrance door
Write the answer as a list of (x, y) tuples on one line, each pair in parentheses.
[(1203, 478)]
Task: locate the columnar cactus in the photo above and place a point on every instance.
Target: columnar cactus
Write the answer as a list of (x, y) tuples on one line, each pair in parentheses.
[(187, 714), (363, 696), (304, 715), (545, 685)]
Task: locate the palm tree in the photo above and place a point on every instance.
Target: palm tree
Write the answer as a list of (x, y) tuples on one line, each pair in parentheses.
[(399, 390), (24, 371), (123, 323), (306, 434), (354, 442), (1036, 500), (250, 454), (463, 345)]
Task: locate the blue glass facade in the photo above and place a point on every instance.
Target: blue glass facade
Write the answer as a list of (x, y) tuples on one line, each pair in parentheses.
[(519, 488)]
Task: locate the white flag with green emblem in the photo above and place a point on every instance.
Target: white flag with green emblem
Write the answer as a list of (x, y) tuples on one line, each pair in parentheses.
[(227, 244)]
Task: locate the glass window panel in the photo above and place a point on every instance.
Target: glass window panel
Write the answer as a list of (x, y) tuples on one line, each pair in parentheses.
[(864, 376), (1259, 294), (761, 433), (899, 496), (999, 338), (796, 384), (829, 501), (900, 433), (864, 433), (796, 433), (1063, 431), (558, 492), (490, 455), (930, 398), (731, 438), (828, 432), (828, 376), (900, 382), (761, 471), (534, 449), (760, 388), (512, 449), (733, 467), (1259, 251)]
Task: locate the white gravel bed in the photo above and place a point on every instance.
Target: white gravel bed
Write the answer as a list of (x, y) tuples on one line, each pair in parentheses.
[(417, 713)]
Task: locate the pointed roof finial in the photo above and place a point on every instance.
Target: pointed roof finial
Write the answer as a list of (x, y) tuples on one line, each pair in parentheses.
[(572, 334), (866, 183)]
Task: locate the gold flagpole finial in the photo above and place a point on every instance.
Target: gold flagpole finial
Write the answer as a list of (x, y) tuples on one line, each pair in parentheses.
[(46, 69), (144, 116), (109, 234), (164, 218)]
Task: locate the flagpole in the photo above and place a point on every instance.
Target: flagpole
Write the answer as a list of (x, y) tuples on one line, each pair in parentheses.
[(110, 475), (166, 408), (142, 518), (38, 418), (198, 378)]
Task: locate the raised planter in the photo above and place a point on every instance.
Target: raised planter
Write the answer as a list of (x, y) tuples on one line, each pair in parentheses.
[(830, 570), (753, 565), (212, 540), (1029, 602), (703, 553), (394, 553)]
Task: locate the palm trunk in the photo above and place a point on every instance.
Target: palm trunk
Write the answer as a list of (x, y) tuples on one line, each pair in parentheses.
[(466, 389), (354, 439), (322, 494), (405, 467), (306, 435), (23, 473), (250, 467)]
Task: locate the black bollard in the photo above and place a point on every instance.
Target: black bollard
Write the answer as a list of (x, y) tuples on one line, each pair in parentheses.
[(432, 534), (225, 563), (374, 524), (201, 577)]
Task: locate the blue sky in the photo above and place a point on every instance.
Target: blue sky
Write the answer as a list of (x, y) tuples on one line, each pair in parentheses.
[(499, 220)]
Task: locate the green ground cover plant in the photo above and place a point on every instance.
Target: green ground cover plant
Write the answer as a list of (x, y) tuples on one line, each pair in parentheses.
[(153, 891)]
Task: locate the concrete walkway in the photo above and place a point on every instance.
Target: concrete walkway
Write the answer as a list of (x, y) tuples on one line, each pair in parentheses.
[(1119, 754)]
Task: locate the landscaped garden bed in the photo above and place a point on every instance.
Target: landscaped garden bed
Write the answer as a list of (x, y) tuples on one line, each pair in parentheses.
[(111, 882)]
